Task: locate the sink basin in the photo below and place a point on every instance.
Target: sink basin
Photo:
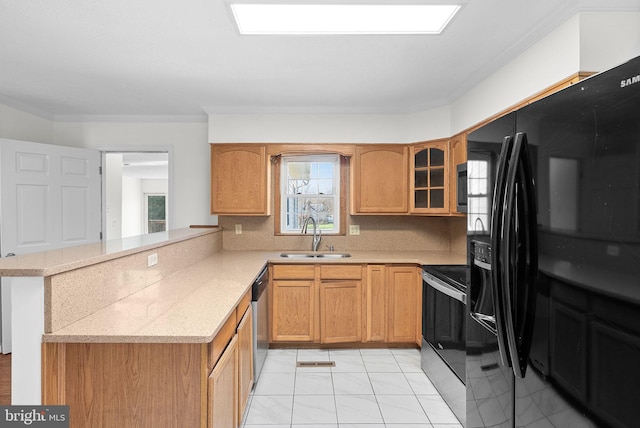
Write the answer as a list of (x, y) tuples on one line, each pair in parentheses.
[(333, 255), (297, 255), (315, 255)]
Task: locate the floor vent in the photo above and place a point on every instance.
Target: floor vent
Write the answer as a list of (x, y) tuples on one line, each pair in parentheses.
[(316, 364)]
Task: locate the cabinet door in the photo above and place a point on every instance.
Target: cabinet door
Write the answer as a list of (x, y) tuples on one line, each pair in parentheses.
[(245, 360), (403, 283), (380, 179), (375, 304), (569, 349), (293, 311), (614, 373), (430, 181), (340, 311), (458, 155), (223, 389), (239, 179)]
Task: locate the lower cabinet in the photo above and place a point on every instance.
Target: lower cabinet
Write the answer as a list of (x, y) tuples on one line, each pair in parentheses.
[(293, 311), (375, 304), (223, 389), (404, 297), (325, 303), (340, 303)]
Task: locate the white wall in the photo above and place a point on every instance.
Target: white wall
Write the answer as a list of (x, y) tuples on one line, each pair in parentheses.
[(608, 39), (16, 124), (555, 57), (589, 41), (132, 207), (113, 195), (190, 157)]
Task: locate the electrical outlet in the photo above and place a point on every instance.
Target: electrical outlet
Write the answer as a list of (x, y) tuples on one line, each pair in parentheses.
[(152, 260), (354, 229), (238, 229)]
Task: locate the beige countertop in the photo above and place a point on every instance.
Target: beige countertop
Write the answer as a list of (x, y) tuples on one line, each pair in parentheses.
[(191, 305), (51, 262)]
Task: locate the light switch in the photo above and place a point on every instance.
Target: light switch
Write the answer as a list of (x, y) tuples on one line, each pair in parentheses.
[(354, 229), (238, 229)]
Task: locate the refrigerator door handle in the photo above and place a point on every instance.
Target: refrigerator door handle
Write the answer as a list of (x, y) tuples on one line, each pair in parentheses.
[(497, 232), (519, 257)]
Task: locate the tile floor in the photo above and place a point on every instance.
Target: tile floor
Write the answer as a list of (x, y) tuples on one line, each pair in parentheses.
[(367, 388)]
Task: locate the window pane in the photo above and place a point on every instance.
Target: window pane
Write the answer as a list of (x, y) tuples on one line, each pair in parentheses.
[(311, 190)]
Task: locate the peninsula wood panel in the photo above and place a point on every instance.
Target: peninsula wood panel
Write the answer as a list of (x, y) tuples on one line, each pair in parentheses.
[(381, 179), (239, 179), (340, 311), (127, 385), (245, 360)]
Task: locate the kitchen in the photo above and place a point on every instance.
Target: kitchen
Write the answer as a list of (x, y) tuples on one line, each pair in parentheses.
[(370, 128)]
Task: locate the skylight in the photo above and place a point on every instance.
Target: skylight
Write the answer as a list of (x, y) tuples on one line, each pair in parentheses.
[(342, 18)]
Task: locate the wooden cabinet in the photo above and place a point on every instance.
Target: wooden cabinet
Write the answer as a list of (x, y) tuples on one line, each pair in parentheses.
[(223, 389), (294, 303), (457, 156), (429, 166), (245, 360), (151, 385), (380, 179), (355, 303), (404, 304), (376, 304), (340, 303), (239, 179)]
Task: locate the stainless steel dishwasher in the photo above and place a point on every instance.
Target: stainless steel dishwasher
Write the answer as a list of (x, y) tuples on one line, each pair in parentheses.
[(260, 321)]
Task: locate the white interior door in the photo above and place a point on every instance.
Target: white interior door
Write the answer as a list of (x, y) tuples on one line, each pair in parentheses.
[(50, 198)]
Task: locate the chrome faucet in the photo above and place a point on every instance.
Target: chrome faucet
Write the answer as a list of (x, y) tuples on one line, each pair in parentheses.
[(317, 233)]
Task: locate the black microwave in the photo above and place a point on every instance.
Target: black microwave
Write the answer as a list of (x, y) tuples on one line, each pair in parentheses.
[(461, 188)]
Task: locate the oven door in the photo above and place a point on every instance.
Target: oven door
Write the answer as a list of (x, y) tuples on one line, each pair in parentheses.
[(443, 345), (444, 323)]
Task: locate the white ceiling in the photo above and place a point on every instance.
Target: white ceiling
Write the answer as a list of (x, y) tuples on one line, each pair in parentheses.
[(70, 58)]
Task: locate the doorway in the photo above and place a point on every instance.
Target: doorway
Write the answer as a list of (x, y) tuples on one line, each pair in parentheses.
[(137, 193)]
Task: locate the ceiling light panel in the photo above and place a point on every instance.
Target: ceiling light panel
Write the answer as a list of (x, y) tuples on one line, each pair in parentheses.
[(342, 18)]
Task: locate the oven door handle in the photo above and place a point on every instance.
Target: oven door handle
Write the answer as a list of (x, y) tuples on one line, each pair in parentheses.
[(444, 288)]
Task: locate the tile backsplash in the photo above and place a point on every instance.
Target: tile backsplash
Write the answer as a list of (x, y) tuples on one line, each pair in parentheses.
[(402, 233)]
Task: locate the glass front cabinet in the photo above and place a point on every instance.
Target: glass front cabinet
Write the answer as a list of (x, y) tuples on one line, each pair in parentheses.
[(430, 177)]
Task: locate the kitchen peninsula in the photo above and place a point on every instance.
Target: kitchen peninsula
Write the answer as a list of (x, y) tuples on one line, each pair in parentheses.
[(131, 341)]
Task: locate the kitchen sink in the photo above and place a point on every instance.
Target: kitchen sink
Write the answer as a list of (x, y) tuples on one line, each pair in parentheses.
[(315, 255)]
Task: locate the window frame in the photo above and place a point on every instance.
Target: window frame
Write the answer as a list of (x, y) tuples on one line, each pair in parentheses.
[(472, 217), (340, 198)]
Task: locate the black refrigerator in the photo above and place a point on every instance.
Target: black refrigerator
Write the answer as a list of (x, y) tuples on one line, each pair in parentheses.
[(553, 234)]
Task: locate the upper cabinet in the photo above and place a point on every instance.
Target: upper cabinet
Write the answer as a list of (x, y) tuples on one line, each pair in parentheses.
[(239, 179), (380, 179), (429, 165)]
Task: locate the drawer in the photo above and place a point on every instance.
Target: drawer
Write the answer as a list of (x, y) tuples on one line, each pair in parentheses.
[(219, 343), (294, 271), (340, 271)]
